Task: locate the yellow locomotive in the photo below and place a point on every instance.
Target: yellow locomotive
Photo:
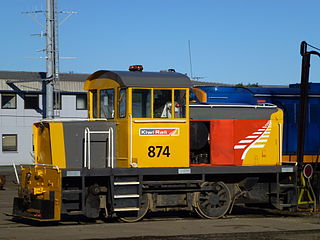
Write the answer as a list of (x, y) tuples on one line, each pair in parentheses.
[(145, 147)]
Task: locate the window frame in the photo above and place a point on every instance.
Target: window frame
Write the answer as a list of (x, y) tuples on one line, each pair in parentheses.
[(15, 100), (16, 142), (149, 113), (162, 106), (85, 101), (122, 100), (112, 116), (29, 95), (183, 103)]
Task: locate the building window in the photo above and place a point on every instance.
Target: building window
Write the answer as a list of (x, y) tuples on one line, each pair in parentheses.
[(8, 101), (57, 101), (9, 143), (31, 101), (81, 102)]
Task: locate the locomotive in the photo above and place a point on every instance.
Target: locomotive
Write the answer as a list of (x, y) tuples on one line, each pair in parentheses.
[(147, 147)]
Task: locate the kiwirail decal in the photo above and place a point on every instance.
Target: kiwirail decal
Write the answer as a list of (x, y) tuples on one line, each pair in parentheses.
[(257, 139), (159, 131)]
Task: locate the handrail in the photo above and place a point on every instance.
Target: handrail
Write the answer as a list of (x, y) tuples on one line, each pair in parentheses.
[(15, 171), (87, 147), (160, 121), (132, 164), (41, 164)]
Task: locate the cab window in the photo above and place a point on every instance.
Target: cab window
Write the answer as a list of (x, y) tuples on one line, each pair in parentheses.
[(122, 103), (162, 101), (107, 103), (179, 103), (141, 103)]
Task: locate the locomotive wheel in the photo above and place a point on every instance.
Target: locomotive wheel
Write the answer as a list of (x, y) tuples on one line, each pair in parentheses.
[(138, 215), (213, 201)]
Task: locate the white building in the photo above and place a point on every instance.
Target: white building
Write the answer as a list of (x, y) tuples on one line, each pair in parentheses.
[(21, 99)]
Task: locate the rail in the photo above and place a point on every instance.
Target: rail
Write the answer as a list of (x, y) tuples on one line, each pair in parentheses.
[(87, 147)]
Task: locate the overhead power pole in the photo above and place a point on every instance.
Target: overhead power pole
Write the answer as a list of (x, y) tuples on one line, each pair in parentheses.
[(52, 53), (52, 56)]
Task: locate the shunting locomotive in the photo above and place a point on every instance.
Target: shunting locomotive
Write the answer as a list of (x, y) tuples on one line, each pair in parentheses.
[(146, 147)]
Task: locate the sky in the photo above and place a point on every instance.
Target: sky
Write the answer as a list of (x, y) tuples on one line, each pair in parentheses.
[(231, 41)]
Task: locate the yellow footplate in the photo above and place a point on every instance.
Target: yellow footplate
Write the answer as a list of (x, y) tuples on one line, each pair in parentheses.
[(39, 195)]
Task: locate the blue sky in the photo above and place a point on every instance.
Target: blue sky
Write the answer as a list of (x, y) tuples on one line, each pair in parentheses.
[(232, 41)]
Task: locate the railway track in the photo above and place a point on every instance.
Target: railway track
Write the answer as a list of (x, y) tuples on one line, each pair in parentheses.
[(243, 223), (233, 227)]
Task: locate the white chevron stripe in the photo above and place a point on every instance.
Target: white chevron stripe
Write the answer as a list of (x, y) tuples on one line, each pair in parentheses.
[(252, 137), (239, 146), (246, 141)]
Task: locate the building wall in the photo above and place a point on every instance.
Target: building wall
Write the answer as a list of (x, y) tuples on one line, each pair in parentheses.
[(19, 121)]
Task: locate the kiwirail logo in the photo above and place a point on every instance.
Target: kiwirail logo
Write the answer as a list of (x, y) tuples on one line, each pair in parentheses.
[(159, 132)]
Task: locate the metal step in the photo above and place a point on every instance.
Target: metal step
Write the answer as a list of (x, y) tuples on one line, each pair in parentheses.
[(75, 212), (72, 191), (289, 185), (126, 209), (126, 183), (274, 193), (287, 205), (126, 196)]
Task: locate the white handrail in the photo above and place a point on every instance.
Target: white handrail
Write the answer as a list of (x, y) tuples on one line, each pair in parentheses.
[(87, 147), (132, 164), (15, 171)]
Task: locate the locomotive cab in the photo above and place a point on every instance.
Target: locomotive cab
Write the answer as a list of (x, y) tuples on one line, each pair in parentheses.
[(151, 113)]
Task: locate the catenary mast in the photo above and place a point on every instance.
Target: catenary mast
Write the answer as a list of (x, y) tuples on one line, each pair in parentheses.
[(52, 56)]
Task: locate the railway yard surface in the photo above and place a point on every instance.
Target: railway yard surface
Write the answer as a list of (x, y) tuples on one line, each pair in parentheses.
[(242, 223)]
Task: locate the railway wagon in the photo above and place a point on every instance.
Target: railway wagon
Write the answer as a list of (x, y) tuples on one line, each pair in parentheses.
[(144, 148)]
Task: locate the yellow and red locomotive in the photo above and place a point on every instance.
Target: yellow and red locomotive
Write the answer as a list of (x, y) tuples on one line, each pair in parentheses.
[(145, 147)]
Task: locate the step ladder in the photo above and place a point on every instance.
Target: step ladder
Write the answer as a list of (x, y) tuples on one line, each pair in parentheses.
[(126, 192), (286, 192)]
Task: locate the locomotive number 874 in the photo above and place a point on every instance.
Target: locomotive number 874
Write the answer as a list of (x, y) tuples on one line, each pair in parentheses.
[(144, 147)]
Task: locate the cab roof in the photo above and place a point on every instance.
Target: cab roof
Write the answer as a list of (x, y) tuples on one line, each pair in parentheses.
[(144, 79)]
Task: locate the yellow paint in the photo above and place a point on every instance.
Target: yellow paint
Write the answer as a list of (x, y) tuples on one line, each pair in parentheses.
[(271, 153), (161, 151), (42, 146), (306, 158), (200, 94), (49, 144), (305, 192), (38, 182), (57, 144), (122, 143)]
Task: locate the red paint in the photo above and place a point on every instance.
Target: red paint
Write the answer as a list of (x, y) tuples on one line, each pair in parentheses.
[(225, 134)]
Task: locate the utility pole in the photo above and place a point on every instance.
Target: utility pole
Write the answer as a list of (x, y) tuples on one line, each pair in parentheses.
[(52, 56), (52, 52)]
